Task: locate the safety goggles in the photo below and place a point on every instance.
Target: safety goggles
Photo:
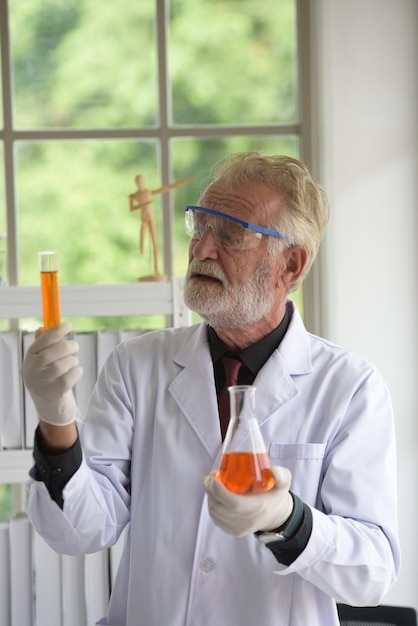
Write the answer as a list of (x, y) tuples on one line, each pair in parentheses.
[(229, 231)]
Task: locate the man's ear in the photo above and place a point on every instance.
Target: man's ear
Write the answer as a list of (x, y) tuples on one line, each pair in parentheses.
[(295, 260)]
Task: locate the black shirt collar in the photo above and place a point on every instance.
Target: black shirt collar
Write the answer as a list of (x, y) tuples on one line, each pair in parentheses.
[(254, 356)]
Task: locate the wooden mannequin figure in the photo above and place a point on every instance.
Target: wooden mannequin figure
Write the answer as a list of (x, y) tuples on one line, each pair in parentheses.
[(142, 200)]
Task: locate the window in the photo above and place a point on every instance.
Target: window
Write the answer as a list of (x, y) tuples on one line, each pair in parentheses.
[(93, 95)]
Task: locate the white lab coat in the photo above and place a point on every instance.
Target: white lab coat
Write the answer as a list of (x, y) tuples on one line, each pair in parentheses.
[(152, 434)]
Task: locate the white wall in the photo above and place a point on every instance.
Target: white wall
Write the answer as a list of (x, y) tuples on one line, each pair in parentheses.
[(369, 165)]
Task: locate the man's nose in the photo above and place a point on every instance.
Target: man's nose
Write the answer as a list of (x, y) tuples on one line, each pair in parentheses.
[(206, 247)]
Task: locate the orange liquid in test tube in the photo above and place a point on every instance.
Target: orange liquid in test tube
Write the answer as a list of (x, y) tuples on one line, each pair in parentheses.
[(50, 294)]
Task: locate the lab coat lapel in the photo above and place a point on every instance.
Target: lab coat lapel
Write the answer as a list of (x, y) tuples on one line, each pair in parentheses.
[(194, 390), (276, 382), (275, 388)]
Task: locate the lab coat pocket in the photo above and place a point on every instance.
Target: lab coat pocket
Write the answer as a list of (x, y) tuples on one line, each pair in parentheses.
[(305, 461)]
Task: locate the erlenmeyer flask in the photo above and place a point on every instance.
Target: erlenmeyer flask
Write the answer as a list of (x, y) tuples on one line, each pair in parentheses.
[(245, 465)]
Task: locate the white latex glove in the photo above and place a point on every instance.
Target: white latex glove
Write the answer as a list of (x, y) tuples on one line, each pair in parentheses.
[(240, 515), (50, 370)]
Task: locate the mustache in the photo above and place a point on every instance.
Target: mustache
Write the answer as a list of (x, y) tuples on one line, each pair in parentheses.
[(207, 268)]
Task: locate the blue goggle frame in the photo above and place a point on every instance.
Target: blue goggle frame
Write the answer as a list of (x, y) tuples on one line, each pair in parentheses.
[(237, 220)]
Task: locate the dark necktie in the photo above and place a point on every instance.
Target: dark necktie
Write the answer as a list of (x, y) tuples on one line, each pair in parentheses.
[(231, 367)]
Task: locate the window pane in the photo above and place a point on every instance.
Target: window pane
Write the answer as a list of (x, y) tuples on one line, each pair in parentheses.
[(73, 198), (83, 64), (233, 62)]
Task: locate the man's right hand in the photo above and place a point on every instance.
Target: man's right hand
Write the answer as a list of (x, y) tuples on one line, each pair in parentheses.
[(50, 370)]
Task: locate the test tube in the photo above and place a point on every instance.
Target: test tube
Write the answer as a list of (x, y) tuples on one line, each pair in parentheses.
[(51, 307)]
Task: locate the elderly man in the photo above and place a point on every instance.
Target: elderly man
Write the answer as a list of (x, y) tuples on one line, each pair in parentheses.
[(197, 554)]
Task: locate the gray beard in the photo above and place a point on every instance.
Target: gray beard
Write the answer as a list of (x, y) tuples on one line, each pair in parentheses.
[(223, 306)]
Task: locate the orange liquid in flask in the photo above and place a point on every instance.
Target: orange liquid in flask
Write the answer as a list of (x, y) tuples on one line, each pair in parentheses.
[(246, 472), (50, 299)]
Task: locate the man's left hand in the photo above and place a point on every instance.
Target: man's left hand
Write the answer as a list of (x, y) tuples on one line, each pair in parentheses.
[(240, 515)]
